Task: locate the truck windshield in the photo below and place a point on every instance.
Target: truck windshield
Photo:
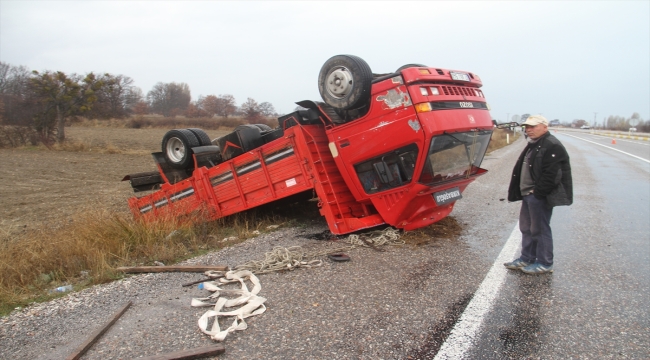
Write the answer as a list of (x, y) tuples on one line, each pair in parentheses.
[(454, 156)]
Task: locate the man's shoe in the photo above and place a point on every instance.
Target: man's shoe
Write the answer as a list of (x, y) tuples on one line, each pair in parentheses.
[(537, 268), (516, 264)]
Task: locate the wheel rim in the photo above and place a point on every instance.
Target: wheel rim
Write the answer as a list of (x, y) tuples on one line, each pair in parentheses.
[(339, 82), (175, 149)]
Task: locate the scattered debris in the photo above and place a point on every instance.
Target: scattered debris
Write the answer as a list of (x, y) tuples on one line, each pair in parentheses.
[(158, 263), (97, 334), (174, 234), (325, 235), (290, 258), (211, 275), (61, 289), (271, 227), (252, 304), (195, 282), (195, 353), (281, 258), (179, 268), (339, 257), (231, 238), (371, 245)]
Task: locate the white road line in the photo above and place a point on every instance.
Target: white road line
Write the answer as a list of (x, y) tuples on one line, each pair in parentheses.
[(609, 147), (466, 329), (637, 142)]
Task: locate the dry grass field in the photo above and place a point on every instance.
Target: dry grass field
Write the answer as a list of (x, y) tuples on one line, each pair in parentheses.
[(40, 187)]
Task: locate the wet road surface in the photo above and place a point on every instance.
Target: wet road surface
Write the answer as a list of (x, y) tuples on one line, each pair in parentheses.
[(595, 304)]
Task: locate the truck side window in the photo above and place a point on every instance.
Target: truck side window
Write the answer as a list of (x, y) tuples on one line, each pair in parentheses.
[(389, 170)]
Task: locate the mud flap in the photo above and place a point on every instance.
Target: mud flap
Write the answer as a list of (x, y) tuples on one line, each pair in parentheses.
[(145, 181)]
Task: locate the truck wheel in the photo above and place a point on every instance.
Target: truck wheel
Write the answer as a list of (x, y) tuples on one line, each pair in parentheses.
[(344, 82), (204, 139), (263, 127), (408, 66), (177, 148)]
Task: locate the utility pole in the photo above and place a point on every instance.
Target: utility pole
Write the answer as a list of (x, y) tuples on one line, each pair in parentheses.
[(595, 118)]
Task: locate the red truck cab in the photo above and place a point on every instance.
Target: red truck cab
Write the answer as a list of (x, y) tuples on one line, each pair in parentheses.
[(420, 144)]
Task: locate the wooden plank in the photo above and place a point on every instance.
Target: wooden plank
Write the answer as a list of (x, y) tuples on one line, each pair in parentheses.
[(195, 353), (202, 280), (181, 268), (97, 334)]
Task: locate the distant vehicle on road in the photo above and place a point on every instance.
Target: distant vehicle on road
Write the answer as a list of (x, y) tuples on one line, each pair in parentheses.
[(632, 129), (586, 127)]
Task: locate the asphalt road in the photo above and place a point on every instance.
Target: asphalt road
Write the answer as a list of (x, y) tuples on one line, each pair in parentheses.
[(595, 304), (449, 299)]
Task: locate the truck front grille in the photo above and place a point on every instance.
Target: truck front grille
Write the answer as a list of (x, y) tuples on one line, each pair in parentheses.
[(457, 90)]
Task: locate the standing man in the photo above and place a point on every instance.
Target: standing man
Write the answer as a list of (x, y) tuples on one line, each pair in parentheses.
[(541, 179)]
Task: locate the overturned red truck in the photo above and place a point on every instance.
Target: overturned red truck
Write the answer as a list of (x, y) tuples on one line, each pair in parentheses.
[(396, 149)]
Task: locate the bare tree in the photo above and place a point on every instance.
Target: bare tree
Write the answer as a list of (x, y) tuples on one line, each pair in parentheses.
[(116, 98), (194, 110), (226, 105), (209, 104), (169, 99), (16, 95), (251, 110), (141, 108), (267, 109)]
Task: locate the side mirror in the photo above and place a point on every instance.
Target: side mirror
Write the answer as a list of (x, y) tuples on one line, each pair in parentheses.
[(507, 125)]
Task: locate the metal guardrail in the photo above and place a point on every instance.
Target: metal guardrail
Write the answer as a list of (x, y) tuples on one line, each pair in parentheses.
[(616, 134)]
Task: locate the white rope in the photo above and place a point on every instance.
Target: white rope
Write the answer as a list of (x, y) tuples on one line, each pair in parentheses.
[(293, 257), (254, 305)]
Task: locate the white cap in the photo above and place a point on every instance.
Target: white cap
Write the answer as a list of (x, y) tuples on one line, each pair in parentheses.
[(535, 120)]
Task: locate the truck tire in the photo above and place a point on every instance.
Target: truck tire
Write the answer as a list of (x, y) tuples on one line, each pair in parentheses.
[(177, 147), (204, 139), (344, 82), (399, 70), (263, 127)]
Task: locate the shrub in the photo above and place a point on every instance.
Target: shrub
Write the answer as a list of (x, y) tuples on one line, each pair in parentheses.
[(15, 136)]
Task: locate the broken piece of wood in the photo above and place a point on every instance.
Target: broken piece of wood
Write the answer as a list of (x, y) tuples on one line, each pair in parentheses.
[(179, 268), (202, 280), (195, 353), (97, 334)]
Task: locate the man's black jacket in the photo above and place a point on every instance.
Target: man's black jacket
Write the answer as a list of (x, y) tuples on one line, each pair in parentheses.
[(550, 170)]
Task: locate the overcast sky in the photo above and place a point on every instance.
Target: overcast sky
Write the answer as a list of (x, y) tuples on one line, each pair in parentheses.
[(566, 60)]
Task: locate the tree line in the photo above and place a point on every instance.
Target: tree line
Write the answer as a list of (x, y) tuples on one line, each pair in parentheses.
[(613, 122), (44, 101)]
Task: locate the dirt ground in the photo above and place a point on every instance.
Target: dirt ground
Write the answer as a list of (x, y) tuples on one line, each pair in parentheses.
[(40, 187)]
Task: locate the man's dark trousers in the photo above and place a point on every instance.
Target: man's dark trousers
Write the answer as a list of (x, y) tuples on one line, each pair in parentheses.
[(535, 226)]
